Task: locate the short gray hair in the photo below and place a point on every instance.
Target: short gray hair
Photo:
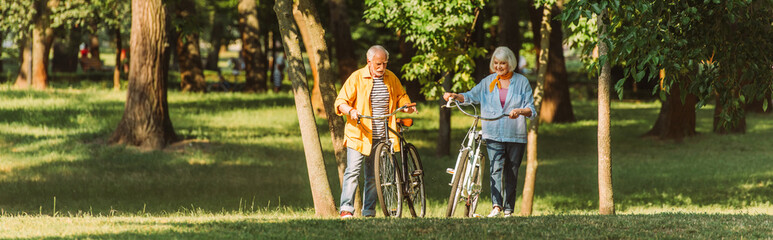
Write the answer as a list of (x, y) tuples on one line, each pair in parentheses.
[(503, 54), (372, 51)]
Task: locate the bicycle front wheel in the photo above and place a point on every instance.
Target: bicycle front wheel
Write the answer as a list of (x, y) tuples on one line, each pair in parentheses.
[(456, 186), (387, 181), (415, 181), (477, 176)]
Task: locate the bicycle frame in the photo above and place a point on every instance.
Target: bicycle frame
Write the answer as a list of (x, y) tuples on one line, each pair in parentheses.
[(468, 187)]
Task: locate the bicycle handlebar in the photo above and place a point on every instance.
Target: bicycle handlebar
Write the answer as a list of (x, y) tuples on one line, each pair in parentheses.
[(360, 116), (448, 105)]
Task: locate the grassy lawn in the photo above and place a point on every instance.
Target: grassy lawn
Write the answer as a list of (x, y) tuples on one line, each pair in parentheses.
[(240, 173)]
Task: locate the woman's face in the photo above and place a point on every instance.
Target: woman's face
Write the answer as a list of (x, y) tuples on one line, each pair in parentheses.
[(501, 67)]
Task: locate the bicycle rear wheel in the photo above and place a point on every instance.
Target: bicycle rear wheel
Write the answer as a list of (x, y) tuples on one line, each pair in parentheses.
[(415, 182), (456, 188), (388, 187)]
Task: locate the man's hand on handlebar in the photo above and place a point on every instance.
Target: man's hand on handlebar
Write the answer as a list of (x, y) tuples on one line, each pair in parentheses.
[(354, 114)]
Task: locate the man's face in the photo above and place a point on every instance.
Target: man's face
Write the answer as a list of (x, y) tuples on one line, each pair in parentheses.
[(377, 64)]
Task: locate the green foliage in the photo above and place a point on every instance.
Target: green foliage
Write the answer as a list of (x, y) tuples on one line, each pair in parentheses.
[(17, 17), (439, 31), (682, 38)]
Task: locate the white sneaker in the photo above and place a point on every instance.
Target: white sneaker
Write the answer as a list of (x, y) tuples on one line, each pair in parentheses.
[(508, 213), (494, 212)]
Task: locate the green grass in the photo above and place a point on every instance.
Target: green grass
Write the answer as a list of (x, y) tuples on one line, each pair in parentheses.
[(241, 174)]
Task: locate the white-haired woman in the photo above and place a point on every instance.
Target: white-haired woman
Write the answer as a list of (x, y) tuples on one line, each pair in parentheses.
[(502, 92)]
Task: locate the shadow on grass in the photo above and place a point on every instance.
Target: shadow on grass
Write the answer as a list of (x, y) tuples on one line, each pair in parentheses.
[(550, 227)]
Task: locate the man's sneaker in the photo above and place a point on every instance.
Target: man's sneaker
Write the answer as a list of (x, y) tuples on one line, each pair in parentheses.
[(494, 212), (346, 214), (508, 213)]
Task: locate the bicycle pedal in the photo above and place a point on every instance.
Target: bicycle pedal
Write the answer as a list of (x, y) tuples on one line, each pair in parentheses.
[(417, 173), (450, 171)]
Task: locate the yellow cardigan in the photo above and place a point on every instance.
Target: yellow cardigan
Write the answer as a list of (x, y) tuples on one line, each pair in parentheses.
[(356, 93)]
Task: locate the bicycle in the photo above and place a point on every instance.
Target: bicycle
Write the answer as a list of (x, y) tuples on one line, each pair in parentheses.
[(467, 175), (398, 180)]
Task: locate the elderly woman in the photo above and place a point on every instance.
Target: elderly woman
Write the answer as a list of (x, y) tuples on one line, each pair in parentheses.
[(502, 92)]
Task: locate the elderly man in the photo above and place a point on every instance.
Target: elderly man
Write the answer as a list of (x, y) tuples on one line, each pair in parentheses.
[(372, 90)]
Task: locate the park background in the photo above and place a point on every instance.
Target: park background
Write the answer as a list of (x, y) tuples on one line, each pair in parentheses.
[(237, 167)]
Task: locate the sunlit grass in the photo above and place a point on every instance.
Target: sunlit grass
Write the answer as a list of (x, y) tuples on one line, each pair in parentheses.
[(244, 151)]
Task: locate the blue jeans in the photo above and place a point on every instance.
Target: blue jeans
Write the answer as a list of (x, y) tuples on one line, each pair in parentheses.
[(354, 163), (505, 157)]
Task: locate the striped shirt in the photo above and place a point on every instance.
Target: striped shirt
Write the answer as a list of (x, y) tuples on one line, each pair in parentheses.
[(379, 101)]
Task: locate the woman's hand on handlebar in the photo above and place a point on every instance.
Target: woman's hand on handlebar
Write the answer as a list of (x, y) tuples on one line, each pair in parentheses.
[(458, 97), (411, 109)]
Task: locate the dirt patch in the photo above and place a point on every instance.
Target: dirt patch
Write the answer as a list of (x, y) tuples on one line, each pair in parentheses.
[(189, 144)]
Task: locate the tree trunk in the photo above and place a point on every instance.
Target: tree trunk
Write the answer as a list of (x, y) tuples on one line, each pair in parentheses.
[(2, 39), (65, 57), (444, 123), (479, 37), (531, 143), (557, 105), (188, 54), (43, 37), (311, 50), (676, 119), (252, 53), (145, 122), (118, 49), (606, 201), (94, 41), (216, 38), (327, 80), (320, 188), (342, 38), (509, 31), (23, 78), (721, 126)]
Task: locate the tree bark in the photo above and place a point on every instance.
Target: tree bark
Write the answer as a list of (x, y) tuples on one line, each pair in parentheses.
[(65, 48), (606, 200), (252, 53), (342, 38), (509, 31), (557, 104), (720, 123), (145, 122), (311, 53), (676, 119), (320, 188), (327, 79), (2, 38), (531, 143), (42, 38), (444, 123), (117, 68), (216, 38), (188, 54)]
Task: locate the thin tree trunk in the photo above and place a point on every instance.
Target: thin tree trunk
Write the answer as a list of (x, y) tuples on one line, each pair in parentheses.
[(342, 38), (117, 68), (327, 79), (216, 38), (606, 201), (145, 122), (444, 123), (252, 54), (188, 54), (2, 39), (531, 143), (320, 188), (311, 50), (23, 78), (42, 38)]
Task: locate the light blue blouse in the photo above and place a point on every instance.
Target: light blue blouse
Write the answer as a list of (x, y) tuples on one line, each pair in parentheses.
[(519, 96)]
